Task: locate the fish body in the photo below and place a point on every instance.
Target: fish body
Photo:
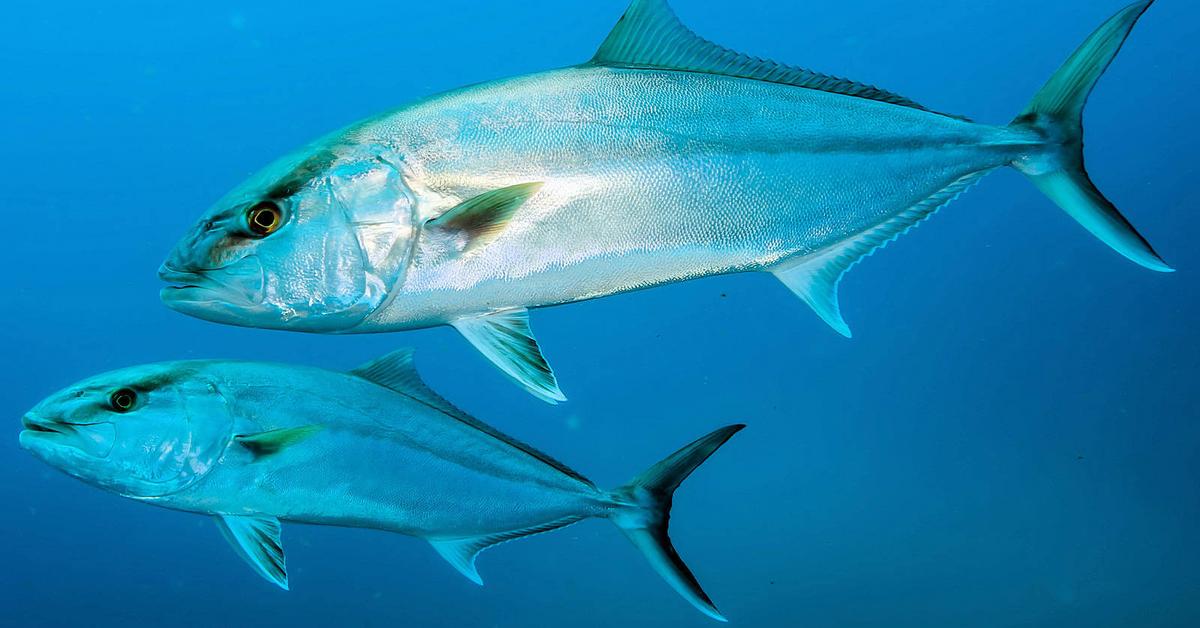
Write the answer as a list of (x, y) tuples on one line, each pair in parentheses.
[(656, 176), (255, 444), (380, 460), (665, 158)]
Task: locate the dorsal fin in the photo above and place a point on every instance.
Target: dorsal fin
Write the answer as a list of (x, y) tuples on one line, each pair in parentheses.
[(397, 371), (651, 36)]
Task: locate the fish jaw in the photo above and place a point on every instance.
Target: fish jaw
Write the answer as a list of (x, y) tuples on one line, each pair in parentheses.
[(229, 295)]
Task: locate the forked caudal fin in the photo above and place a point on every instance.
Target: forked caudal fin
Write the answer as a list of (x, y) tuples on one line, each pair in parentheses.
[(648, 515), (1057, 113), (641, 509), (1056, 117)]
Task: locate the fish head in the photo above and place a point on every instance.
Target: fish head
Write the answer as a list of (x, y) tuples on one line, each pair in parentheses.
[(142, 432), (312, 243)]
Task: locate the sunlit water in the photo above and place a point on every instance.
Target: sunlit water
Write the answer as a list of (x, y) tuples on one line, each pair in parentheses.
[(1011, 438)]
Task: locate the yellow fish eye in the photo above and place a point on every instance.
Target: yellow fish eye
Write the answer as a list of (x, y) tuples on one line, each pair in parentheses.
[(264, 218), (123, 400)]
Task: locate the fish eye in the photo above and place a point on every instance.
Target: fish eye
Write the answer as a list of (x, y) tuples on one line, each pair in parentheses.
[(264, 218), (123, 400)]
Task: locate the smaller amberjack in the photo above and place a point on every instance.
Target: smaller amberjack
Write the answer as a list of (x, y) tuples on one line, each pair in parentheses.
[(252, 444), (663, 159)]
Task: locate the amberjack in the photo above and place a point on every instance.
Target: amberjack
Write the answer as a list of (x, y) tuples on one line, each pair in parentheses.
[(665, 158)]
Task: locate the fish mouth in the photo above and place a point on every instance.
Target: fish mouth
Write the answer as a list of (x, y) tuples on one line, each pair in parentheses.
[(238, 285), (49, 426), (184, 283), (41, 427), (43, 436)]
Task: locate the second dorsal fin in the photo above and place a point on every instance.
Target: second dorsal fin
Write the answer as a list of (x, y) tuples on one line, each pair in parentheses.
[(397, 371), (650, 35)]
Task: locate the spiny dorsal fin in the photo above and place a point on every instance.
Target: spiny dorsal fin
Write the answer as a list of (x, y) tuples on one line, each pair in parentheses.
[(461, 553), (398, 371), (815, 278), (506, 339), (265, 444), (482, 219), (257, 539), (651, 36)]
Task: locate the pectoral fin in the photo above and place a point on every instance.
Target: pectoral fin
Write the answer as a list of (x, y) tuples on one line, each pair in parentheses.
[(257, 540), (506, 340), (482, 219), (265, 444)]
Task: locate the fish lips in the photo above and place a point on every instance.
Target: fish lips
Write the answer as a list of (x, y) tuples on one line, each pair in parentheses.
[(217, 294), (49, 439)]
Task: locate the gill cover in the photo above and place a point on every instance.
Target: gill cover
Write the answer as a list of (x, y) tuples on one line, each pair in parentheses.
[(343, 238), (165, 451)]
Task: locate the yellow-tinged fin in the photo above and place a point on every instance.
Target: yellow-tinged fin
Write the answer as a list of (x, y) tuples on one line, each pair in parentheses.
[(480, 220), (269, 443), (651, 36)]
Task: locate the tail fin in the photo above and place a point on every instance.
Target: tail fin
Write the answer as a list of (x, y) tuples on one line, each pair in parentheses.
[(1057, 113), (645, 523)]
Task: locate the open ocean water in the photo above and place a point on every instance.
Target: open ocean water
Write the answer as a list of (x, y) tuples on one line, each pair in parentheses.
[(1012, 438)]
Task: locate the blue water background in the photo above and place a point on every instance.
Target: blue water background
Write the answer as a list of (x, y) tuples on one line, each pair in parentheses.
[(1012, 438)]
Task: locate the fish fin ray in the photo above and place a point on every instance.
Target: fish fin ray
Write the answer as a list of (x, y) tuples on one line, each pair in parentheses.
[(646, 516), (1057, 112), (265, 444), (815, 277), (462, 552), (398, 372), (257, 539), (506, 339), (651, 36), (482, 219)]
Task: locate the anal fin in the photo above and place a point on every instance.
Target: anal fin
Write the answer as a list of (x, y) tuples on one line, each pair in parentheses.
[(815, 277), (462, 552), (506, 339)]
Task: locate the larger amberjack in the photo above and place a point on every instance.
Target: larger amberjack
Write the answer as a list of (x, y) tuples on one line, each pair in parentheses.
[(664, 158), (253, 444)]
